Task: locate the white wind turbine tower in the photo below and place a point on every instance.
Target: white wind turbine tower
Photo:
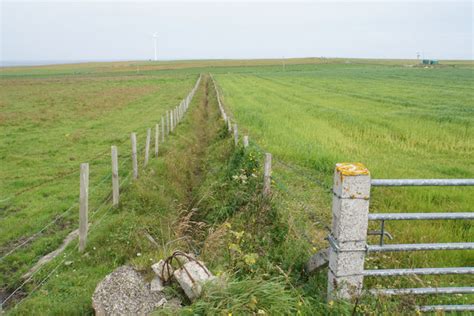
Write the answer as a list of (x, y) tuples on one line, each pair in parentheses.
[(155, 42)]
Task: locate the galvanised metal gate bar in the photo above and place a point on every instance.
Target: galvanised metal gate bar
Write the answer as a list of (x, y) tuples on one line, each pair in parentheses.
[(415, 216), (348, 238), (421, 182), (424, 291)]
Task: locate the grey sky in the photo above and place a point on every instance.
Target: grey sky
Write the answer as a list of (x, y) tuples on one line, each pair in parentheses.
[(114, 30)]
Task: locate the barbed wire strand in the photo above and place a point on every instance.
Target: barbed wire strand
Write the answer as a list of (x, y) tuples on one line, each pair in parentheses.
[(61, 215)]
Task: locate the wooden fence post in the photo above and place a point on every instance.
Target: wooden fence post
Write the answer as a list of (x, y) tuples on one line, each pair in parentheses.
[(171, 121), (246, 141), (157, 138), (348, 238), (134, 155), (236, 135), (83, 206), (115, 177), (147, 146), (162, 129), (267, 175)]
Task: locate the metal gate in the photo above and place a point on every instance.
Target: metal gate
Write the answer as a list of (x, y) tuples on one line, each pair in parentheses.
[(348, 238)]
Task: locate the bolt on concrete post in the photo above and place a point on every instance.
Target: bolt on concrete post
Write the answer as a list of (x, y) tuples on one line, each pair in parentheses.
[(246, 141), (350, 209)]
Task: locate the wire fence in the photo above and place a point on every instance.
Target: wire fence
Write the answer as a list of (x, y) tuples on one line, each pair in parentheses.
[(61, 215), (179, 112), (280, 184)]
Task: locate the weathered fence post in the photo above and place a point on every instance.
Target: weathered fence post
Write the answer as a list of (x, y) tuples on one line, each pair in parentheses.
[(236, 135), (350, 209), (246, 141), (267, 175), (134, 155), (157, 138), (115, 177), (162, 129), (229, 125), (171, 121), (83, 206), (147, 146)]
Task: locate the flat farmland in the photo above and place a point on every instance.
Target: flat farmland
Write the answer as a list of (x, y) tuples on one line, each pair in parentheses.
[(50, 123), (400, 121), (203, 193)]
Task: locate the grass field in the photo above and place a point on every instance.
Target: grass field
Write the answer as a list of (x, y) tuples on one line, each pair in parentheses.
[(400, 121), (49, 126)]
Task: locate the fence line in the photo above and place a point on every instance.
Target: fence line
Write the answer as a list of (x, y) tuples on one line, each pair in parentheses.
[(85, 193), (71, 171), (179, 114), (61, 215), (96, 223), (348, 237), (228, 120)]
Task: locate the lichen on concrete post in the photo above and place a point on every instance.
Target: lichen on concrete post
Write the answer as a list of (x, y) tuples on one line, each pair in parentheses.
[(348, 239)]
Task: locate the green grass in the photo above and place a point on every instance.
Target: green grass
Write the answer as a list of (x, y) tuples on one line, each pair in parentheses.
[(49, 127), (401, 122)]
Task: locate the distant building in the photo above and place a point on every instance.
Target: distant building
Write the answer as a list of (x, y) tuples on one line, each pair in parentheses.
[(429, 62)]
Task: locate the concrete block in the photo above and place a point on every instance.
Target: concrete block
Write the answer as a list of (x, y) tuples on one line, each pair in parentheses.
[(163, 272), (351, 181), (317, 261), (156, 284), (199, 275), (350, 219)]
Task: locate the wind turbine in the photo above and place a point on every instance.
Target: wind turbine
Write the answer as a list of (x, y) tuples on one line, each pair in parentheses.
[(155, 41)]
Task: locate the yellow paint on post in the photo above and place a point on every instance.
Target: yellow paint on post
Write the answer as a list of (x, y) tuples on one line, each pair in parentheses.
[(352, 169)]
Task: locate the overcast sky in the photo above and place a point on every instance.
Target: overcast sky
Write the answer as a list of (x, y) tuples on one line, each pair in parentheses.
[(117, 30)]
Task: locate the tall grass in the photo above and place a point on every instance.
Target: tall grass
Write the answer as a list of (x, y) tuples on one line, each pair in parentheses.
[(400, 122)]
